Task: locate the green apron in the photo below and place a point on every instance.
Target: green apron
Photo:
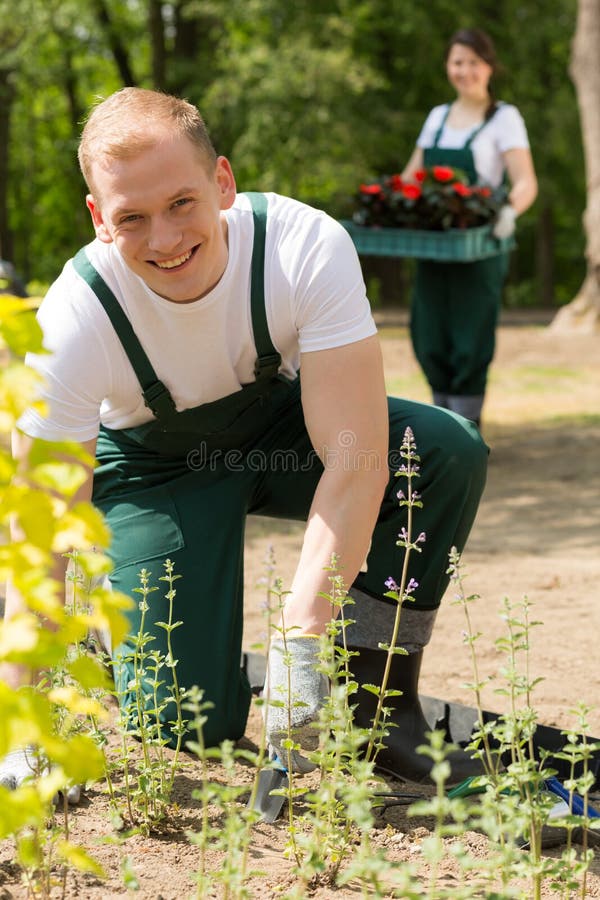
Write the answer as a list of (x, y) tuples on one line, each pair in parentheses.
[(455, 306), (182, 486)]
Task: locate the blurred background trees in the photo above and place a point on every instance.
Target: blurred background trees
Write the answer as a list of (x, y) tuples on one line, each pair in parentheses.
[(307, 98)]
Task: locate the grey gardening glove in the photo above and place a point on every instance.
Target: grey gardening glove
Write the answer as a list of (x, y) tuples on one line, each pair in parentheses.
[(505, 222), (308, 690), (18, 765)]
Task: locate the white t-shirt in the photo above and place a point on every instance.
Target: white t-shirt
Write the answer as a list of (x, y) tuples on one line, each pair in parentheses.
[(315, 299), (504, 131)]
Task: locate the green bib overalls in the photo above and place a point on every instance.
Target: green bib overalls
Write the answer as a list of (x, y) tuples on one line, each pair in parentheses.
[(455, 306), (181, 486)]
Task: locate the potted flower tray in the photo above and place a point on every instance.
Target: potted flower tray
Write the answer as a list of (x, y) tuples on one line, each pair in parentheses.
[(454, 245)]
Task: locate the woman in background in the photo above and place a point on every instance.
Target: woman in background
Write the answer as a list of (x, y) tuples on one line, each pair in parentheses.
[(455, 305)]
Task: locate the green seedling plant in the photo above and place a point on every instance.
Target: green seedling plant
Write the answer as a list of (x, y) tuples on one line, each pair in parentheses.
[(273, 604), (515, 808), (232, 833), (578, 751), (401, 593), (340, 812), (336, 837), (452, 816), (225, 821), (284, 700), (320, 840), (40, 497), (148, 782), (198, 708)]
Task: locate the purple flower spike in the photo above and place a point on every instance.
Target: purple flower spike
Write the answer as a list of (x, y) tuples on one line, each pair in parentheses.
[(412, 586), (391, 584)]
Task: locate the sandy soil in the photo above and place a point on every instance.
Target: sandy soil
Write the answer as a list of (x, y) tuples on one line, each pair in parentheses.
[(537, 535)]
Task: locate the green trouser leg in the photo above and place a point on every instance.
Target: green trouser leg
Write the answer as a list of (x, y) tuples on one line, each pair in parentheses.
[(195, 519), (196, 516), (454, 313), (453, 464)]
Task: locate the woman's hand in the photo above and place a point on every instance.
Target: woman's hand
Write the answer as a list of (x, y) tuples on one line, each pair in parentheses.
[(504, 226), (521, 174)]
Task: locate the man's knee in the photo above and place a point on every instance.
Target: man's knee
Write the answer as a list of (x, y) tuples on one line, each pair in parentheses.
[(436, 431), (465, 451)]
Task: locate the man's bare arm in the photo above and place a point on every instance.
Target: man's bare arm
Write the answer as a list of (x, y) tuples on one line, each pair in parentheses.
[(345, 409)]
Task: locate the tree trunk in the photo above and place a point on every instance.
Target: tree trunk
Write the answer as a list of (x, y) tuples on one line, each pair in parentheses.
[(583, 313), (544, 251)]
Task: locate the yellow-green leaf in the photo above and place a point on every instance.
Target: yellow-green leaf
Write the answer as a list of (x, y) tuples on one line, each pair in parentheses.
[(19, 809), (63, 477), (81, 527), (76, 703), (89, 673), (79, 858), (19, 634), (20, 330)]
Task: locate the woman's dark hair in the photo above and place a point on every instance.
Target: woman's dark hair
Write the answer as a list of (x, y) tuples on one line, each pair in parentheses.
[(480, 43)]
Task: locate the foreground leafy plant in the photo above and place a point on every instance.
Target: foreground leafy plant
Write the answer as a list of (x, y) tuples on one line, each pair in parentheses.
[(46, 713)]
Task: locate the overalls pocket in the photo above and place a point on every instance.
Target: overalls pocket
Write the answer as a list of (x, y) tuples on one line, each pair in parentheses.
[(144, 525)]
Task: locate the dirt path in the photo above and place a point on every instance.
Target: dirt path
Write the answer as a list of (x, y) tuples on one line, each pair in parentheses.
[(537, 535)]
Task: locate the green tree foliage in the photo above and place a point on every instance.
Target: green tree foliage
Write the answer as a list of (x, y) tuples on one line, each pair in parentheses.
[(308, 98)]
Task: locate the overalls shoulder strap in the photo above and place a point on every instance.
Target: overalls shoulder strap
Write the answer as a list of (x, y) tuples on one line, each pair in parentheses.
[(472, 136), (156, 396), (438, 133), (268, 359), (485, 122)]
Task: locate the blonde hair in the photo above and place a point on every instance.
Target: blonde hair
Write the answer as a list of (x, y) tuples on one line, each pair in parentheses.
[(132, 120)]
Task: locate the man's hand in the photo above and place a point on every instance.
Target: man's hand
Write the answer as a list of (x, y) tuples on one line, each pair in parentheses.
[(301, 703), (19, 765)]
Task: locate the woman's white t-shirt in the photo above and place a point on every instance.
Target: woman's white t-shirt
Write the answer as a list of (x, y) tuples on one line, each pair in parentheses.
[(504, 131), (315, 299)]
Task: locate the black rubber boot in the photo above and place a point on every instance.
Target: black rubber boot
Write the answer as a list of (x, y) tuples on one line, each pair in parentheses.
[(398, 756)]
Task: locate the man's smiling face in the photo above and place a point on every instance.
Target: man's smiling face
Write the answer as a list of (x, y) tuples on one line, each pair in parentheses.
[(162, 208)]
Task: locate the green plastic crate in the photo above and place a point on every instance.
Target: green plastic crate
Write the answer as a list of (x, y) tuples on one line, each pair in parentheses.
[(455, 245)]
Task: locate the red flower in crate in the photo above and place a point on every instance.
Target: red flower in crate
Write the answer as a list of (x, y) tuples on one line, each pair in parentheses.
[(462, 189), (437, 199), (411, 191), (443, 173), (371, 189)]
